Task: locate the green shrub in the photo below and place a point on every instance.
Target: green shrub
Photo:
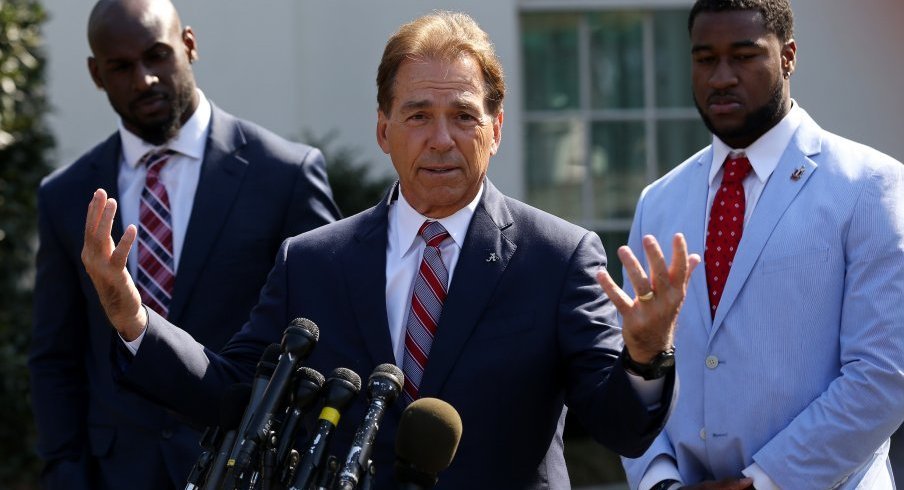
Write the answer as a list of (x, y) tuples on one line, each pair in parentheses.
[(24, 145)]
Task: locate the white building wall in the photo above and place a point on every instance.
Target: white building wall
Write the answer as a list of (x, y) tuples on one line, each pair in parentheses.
[(310, 65)]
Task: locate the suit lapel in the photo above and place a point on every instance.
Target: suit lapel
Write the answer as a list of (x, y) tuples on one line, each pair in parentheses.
[(106, 168), (778, 194), (365, 274), (473, 284), (695, 233), (222, 172)]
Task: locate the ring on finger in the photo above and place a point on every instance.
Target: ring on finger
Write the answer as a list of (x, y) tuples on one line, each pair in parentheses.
[(645, 297)]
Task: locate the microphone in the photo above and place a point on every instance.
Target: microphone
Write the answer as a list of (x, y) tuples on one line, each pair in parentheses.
[(339, 391), (383, 387), (298, 340), (426, 441), (308, 383), (231, 406), (265, 368)]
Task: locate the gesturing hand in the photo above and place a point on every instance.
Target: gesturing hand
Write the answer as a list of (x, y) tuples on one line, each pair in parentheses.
[(648, 321), (106, 266)]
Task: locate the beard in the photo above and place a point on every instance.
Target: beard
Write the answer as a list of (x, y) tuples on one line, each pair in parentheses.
[(756, 123), (159, 132)]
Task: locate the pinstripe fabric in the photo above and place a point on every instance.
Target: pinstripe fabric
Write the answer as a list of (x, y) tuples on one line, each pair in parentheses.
[(156, 267), (426, 306)]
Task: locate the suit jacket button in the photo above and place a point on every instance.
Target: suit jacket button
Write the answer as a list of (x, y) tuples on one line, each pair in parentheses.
[(712, 362), (166, 433), (703, 433)]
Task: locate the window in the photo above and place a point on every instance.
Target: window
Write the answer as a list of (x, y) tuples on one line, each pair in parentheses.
[(608, 109)]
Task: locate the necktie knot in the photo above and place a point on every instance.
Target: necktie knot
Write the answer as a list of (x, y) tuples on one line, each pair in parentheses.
[(735, 169), (433, 232), (156, 159)]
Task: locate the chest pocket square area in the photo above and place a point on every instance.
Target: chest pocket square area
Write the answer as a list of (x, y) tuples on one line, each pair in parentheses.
[(795, 259)]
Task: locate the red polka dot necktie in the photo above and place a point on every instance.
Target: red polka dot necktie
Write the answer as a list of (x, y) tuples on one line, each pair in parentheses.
[(427, 299), (726, 224), (156, 266)]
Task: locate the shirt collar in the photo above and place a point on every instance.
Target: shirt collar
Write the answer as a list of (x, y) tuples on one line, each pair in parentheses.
[(409, 222), (189, 141), (764, 153)]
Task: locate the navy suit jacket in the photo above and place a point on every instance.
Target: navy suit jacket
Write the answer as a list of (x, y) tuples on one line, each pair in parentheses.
[(519, 337), (255, 190)]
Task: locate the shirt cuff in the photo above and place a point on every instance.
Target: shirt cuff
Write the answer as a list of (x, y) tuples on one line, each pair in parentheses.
[(649, 391), (135, 344), (761, 480), (662, 467)]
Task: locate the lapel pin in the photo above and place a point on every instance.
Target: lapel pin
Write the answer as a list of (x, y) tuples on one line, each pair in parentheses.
[(797, 173), (493, 257)]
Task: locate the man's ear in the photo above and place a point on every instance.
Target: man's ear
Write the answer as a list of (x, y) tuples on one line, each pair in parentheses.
[(382, 131), (191, 44), (497, 131), (95, 72), (789, 58)]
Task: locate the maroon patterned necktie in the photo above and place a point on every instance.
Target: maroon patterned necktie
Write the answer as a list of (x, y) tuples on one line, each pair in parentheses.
[(726, 224), (430, 285), (156, 267)]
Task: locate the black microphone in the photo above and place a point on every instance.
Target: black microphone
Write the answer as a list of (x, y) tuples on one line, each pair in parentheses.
[(308, 383), (383, 387), (297, 342), (340, 390), (265, 367), (231, 406), (426, 441)]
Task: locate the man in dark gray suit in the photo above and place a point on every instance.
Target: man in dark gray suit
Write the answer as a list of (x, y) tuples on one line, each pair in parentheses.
[(483, 301), (234, 192)]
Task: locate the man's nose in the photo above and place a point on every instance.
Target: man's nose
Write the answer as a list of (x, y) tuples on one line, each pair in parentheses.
[(144, 77), (441, 136)]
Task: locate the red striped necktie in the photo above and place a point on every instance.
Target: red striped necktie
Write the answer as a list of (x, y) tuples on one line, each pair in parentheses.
[(430, 285), (156, 267)]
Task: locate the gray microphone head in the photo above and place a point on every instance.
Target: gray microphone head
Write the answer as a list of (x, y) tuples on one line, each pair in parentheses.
[(426, 441), (307, 325), (386, 381)]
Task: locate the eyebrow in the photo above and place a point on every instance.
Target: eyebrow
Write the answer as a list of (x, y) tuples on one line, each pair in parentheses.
[(415, 105), (747, 43)]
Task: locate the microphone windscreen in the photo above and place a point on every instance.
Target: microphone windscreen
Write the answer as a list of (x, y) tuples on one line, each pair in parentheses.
[(428, 435), (347, 375), (306, 373), (389, 371), (268, 361), (307, 325), (232, 405)]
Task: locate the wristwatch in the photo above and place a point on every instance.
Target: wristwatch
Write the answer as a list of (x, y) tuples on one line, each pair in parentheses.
[(665, 485), (658, 367)]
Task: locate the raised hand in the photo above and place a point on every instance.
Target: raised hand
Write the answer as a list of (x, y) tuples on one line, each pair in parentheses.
[(648, 321), (105, 263)]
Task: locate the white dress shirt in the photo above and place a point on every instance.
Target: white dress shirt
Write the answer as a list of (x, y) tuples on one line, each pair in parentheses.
[(404, 253), (764, 155), (180, 177)]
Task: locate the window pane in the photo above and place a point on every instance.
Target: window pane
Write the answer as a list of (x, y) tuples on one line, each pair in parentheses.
[(617, 162), (549, 44), (555, 167), (673, 59), (616, 60), (678, 140), (611, 241)]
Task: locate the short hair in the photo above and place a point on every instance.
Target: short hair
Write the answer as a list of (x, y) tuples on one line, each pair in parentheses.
[(443, 36), (777, 16)]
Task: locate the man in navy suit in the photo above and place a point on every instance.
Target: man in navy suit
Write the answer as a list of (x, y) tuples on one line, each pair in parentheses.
[(791, 359), (523, 327), (236, 191)]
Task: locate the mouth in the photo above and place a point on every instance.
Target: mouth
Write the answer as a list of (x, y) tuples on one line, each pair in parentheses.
[(151, 102), (723, 104)]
